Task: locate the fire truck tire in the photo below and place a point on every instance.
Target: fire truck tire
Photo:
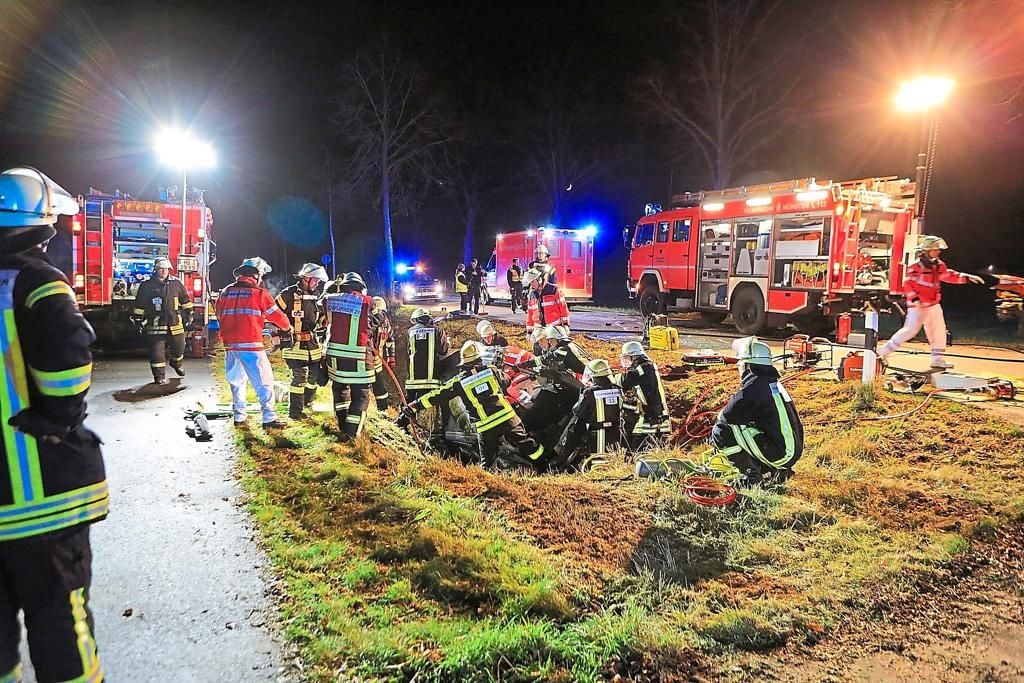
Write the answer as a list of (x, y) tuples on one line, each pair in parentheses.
[(748, 312), (712, 317), (652, 302)]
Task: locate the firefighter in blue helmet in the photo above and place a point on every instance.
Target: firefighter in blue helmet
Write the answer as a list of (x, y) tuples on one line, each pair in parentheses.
[(52, 481), (759, 429)]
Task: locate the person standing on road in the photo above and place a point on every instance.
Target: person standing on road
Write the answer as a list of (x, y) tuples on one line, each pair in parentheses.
[(242, 307), (164, 307), (923, 286), (545, 305), (476, 277), (301, 303), (350, 354), (383, 352), (514, 275), (462, 287), (541, 262), (52, 480)]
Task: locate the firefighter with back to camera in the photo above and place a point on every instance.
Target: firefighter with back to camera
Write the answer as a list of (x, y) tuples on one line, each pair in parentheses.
[(164, 307), (349, 353), (52, 481), (302, 352), (597, 415), (383, 336), (646, 419)]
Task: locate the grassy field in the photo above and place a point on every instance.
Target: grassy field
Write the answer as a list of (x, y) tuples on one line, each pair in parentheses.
[(401, 566)]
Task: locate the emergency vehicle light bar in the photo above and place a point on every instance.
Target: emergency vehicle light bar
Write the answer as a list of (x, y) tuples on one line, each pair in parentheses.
[(691, 199)]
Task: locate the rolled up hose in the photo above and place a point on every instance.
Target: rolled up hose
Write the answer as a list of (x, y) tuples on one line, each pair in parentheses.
[(708, 491)]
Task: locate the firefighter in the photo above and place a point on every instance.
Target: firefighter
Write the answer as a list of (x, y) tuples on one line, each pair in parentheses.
[(923, 286), (545, 305), (383, 351), (562, 350), (647, 418), (476, 276), (242, 308), (428, 346), (462, 287), (302, 353), (481, 389), (541, 263), (492, 342), (759, 429), (164, 307), (54, 486), (350, 353), (514, 275), (598, 412)]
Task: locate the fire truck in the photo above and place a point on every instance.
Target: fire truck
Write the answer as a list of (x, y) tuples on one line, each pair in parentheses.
[(571, 253), (798, 251), (108, 248)]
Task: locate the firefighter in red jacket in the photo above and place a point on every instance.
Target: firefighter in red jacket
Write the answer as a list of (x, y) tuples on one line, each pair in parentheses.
[(923, 286), (383, 351), (301, 303), (546, 305), (52, 481), (164, 307), (350, 353), (242, 307)]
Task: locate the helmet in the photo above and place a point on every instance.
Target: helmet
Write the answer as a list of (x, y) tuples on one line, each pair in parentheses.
[(484, 328), (931, 242), (353, 280), (750, 350), (162, 263), (633, 348), (563, 332), (313, 270), (29, 198), (379, 305), (469, 353), (551, 332), (420, 315), (531, 275), (541, 250), (599, 367), (261, 266)]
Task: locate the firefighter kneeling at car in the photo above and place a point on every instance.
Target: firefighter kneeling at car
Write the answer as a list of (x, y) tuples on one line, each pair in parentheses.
[(645, 420), (560, 349), (481, 390), (597, 413), (759, 429), (301, 303)]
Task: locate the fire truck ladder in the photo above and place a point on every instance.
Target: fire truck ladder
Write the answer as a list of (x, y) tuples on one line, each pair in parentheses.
[(92, 255), (690, 199)]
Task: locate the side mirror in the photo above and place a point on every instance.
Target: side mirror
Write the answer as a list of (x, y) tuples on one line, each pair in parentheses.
[(626, 241)]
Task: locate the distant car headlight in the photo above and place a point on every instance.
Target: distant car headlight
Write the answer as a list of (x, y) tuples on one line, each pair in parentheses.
[(439, 289), (409, 291)]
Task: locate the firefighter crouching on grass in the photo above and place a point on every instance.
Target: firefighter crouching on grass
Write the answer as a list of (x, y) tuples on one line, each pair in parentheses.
[(759, 429), (647, 419), (350, 353), (52, 481), (383, 351), (242, 307), (562, 350), (301, 303), (481, 390), (545, 306), (164, 306), (597, 414), (923, 286)]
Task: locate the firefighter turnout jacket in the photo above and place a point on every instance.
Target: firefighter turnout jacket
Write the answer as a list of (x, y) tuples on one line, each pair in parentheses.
[(569, 355), (598, 412), (481, 390), (427, 346), (163, 305), (650, 391), (763, 420), (383, 335), (349, 346), (50, 483), (546, 307), (307, 319), (242, 307), (924, 280)]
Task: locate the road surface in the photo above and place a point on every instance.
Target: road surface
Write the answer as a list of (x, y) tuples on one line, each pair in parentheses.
[(179, 585)]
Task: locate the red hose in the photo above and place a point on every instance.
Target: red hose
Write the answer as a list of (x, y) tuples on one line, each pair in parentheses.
[(708, 491)]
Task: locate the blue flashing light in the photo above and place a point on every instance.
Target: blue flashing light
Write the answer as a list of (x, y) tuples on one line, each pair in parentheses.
[(590, 231), (401, 268)]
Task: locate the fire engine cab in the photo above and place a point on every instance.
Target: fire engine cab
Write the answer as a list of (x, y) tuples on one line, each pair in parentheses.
[(797, 251), (571, 253), (108, 249)]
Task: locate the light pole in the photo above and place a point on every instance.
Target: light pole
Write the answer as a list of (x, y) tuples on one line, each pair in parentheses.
[(924, 95), (181, 149)]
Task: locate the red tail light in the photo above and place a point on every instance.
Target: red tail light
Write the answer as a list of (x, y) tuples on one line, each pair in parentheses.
[(197, 287), (79, 281)]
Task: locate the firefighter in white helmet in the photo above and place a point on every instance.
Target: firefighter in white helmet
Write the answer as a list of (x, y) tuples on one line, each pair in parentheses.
[(383, 335), (561, 350), (541, 263), (759, 429), (164, 308), (50, 463), (303, 353), (923, 287), (545, 303), (597, 413), (646, 419), (493, 344)]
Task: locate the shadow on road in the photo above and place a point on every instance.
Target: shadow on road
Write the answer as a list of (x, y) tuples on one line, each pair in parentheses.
[(145, 392)]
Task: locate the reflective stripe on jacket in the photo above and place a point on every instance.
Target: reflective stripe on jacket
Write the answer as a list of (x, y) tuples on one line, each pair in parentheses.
[(924, 281), (763, 419), (482, 392), (427, 346), (306, 317), (160, 303), (349, 352), (546, 307), (241, 308)]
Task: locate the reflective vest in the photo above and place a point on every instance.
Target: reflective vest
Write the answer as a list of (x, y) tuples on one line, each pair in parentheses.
[(349, 354), (161, 303), (650, 391), (461, 283), (763, 419), (47, 370), (427, 346), (546, 307), (242, 307), (924, 281), (599, 411), (514, 275), (383, 341), (306, 317), (482, 394)]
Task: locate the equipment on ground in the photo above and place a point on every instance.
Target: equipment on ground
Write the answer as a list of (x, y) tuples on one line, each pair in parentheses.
[(851, 366), (664, 338), (703, 358), (570, 253), (801, 352)]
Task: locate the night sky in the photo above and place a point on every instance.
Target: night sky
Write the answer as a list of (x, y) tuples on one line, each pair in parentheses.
[(85, 85)]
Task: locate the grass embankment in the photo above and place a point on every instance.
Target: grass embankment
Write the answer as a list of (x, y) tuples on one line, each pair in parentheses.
[(398, 565)]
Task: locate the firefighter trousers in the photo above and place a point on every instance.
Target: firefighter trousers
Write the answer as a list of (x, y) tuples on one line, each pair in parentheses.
[(252, 366), (753, 468), (350, 404), (302, 390), (515, 293), (474, 300), (934, 324), (47, 577), (164, 348), (527, 448), (599, 441), (381, 389)]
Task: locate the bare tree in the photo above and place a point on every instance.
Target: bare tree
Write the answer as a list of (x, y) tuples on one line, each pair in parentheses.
[(391, 123), (720, 94), (471, 186)]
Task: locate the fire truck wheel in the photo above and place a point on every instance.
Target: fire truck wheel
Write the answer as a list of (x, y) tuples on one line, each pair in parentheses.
[(748, 311), (651, 301)]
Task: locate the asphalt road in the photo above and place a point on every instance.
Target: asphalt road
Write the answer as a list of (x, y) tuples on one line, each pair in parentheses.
[(180, 590)]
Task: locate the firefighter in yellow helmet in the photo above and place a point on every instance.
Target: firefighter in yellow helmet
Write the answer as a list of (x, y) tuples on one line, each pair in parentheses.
[(646, 420)]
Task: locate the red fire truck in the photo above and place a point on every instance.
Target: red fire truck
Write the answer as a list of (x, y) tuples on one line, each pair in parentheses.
[(571, 253), (797, 251), (109, 247)]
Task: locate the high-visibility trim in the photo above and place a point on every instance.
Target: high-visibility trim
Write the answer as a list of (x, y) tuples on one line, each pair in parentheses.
[(300, 389), (62, 382), (422, 384), (49, 289), (33, 527), (302, 354), (271, 310), (12, 676), (91, 671), (138, 311), (56, 503), (787, 428), (537, 453), (342, 406), (22, 451), (241, 311), (187, 304), (158, 365), (244, 346)]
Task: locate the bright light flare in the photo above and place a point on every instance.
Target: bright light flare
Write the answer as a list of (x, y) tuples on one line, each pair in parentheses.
[(590, 231), (182, 149), (419, 268), (759, 201), (813, 196), (401, 268), (713, 206), (923, 93)]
